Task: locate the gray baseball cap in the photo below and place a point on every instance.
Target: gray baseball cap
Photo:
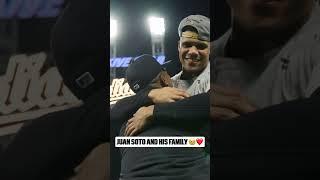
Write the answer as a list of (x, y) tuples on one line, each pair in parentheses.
[(200, 23)]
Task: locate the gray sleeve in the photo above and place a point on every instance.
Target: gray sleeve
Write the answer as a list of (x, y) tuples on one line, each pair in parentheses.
[(314, 81)]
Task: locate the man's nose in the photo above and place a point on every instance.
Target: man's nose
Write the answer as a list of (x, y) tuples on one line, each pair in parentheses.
[(193, 50)]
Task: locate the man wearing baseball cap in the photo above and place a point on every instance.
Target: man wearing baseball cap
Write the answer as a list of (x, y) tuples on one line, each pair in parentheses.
[(194, 77), (194, 51)]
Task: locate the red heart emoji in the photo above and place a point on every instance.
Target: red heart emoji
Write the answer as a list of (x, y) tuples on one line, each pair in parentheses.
[(199, 141)]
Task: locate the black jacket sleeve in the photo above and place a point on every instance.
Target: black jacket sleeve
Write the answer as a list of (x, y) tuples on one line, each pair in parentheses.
[(189, 112), (124, 109), (120, 113), (128, 106)]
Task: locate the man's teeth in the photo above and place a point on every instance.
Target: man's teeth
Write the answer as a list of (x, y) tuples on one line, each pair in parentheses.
[(193, 59)]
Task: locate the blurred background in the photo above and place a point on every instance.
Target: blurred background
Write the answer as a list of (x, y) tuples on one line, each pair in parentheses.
[(220, 17), (30, 84)]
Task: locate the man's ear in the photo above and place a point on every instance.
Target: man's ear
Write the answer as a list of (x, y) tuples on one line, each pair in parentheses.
[(165, 79), (179, 45), (162, 80)]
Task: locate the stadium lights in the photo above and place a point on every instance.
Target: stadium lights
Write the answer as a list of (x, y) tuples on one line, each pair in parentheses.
[(156, 25), (113, 28)]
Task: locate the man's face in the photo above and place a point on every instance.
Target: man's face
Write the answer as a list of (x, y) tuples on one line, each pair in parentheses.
[(193, 55), (268, 15)]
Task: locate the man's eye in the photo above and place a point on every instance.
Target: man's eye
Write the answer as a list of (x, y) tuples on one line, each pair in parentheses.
[(186, 45), (201, 46)]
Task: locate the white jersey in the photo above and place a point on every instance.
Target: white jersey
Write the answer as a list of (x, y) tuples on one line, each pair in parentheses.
[(197, 85), (292, 72)]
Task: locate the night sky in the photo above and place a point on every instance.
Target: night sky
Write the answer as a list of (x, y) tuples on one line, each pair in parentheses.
[(132, 15), (134, 38)]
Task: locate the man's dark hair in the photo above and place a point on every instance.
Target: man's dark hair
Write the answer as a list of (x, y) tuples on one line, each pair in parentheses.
[(189, 28)]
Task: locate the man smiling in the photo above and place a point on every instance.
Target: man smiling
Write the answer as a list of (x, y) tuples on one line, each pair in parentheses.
[(194, 78)]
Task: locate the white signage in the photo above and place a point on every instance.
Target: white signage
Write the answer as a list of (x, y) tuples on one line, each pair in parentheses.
[(28, 91), (119, 90)]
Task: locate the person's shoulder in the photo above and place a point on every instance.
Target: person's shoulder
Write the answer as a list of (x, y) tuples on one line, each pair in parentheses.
[(131, 99), (177, 76), (306, 42), (314, 20), (126, 100), (310, 31), (205, 74)]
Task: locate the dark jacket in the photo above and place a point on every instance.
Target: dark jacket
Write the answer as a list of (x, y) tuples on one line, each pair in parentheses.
[(191, 114), (51, 146)]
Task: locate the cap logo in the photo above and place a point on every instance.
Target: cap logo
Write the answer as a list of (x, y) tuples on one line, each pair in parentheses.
[(136, 87), (189, 34), (85, 80)]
